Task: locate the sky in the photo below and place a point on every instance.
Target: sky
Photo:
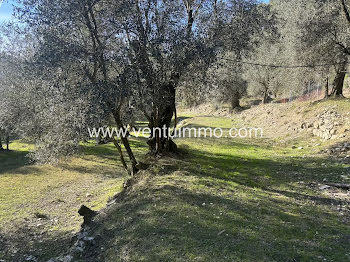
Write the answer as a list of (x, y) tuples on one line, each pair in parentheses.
[(6, 9)]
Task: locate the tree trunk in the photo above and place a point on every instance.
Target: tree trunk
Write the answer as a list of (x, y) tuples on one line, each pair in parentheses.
[(266, 98), (338, 83), (160, 122), (122, 159), (7, 142), (1, 148), (126, 143), (125, 140), (326, 95), (235, 102)]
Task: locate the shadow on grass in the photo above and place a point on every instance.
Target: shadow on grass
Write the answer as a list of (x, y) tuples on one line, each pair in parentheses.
[(222, 207), (255, 171), (30, 240), (104, 159), (174, 223), (11, 160)]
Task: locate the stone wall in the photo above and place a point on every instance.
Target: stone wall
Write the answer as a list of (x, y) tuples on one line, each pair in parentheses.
[(328, 124)]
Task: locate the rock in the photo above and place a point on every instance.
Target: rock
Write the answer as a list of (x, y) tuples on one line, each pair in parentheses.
[(82, 235), (326, 136), (81, 244), (31, 258), (300, 148), (89, 239), (68, 258), (79, 249), (87, 213), (324, 187)]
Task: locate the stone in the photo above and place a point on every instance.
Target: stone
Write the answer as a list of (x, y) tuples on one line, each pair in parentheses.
[(87, 213), (79, 249), (68, 258), (324, 187), (89, 239), (82, 235), (31, 258)]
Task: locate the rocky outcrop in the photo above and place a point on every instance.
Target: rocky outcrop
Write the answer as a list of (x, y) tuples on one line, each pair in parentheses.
[(329, 125)]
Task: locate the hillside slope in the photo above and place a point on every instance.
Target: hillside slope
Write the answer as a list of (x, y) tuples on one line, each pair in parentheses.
[(234, 199)]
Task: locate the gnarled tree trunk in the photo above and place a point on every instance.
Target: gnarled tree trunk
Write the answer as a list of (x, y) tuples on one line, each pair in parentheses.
[(266, 98), (235, 104), (160, 121), (338, 82)]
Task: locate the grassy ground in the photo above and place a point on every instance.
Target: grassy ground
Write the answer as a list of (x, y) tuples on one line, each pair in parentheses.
[(231, 200), (39, 204), (219, 200)]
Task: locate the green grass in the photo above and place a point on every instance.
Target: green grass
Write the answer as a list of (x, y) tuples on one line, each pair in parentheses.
[(54, 191), (231, 200), (219, 200)]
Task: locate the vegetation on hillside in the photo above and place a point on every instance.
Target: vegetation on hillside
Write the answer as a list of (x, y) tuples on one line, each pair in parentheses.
[(280, 68)]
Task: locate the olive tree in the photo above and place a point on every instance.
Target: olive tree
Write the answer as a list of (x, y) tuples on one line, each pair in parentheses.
[(316, 36)]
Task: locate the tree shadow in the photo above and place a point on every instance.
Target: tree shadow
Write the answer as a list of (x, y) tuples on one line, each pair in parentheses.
[(104, 159), (11, 160), (260, 172), (30, 240), (171, 222)]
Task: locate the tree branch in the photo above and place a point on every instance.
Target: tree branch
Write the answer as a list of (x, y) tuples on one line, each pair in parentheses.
[(346, 11)]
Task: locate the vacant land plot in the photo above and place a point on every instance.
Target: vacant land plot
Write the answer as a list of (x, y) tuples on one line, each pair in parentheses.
[(218, 200)]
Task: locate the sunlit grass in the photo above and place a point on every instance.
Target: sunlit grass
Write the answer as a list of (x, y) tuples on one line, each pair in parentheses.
[(231, 200), (56, 191), (218, 200)]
